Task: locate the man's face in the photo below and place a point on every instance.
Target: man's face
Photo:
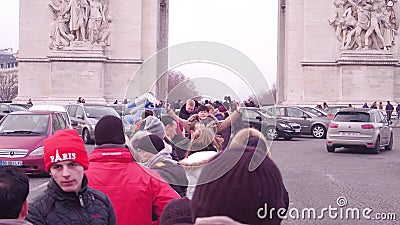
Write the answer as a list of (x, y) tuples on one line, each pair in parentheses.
[(170, 130), (189, 108), (68, 175), (203, 114)]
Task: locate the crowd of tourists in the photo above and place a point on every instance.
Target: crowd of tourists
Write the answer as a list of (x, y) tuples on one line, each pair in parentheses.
[(192, 168)]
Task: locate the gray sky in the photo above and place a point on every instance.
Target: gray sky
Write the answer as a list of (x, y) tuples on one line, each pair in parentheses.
[(249, 26)]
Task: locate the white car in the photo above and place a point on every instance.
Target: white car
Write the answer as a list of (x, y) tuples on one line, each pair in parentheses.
[(367, 128), (54, 108)]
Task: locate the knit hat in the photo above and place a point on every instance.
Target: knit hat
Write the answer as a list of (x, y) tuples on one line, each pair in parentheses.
[(151, 143), (65, 145), (109, 130), (227, 187), (221, 108), (177, 211), (154, 126)]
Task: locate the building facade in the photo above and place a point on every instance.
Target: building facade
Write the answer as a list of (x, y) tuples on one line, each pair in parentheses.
[(338, 51), (88, 48)]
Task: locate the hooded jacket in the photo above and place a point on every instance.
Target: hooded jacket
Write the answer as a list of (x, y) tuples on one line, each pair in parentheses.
[(135, 191), (169, 170), (88, 206)]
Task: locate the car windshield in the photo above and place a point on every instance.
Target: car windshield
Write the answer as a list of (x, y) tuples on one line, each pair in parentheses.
[(267, 114), (352, 117), (99, 111), (314, 111), (24, 124)]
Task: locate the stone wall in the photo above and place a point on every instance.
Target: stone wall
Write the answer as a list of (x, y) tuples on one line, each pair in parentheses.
[(315, 67), (99, 71)]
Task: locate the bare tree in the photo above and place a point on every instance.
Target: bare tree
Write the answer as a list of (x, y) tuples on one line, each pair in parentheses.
[(8, 84), (266, 98), (179, 86)]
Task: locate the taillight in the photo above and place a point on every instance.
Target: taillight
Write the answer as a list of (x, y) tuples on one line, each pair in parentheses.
[(367, 126), (333, 125)]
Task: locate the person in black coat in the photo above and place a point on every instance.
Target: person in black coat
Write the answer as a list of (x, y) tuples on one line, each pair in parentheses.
[(389, 110), (68, 199)]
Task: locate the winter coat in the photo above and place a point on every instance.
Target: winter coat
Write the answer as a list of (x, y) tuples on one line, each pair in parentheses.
[(170, 170), (210, 121), (193, 166), (88, 206), (135, 191)]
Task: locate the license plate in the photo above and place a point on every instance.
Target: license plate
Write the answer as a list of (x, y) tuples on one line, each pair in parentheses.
[(10, 163), (297, 130), (349, 134)]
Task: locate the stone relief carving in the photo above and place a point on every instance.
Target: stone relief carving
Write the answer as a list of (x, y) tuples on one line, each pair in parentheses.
[(79, 23), (365, 24)]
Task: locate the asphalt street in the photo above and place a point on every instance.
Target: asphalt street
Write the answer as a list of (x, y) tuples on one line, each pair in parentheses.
[(331, 186)]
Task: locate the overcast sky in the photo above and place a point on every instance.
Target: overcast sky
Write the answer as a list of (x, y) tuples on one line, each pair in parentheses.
[(249, 26)]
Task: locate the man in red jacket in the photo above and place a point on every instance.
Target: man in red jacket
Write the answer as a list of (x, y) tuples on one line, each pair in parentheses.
[(137, 194)]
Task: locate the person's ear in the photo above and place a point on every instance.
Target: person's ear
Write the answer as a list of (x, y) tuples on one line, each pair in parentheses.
[(24, 210)]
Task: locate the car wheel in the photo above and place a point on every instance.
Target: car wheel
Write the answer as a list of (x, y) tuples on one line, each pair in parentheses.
[(272, 134), (86, 136), (330, 149), (318, 131), (377, 146), (390, 145)]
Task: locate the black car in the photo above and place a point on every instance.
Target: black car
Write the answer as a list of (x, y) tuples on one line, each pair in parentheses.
[(6, 108), (272, 127)]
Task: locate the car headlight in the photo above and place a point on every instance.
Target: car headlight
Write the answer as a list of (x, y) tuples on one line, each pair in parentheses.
[(37, 152), (284, 125)]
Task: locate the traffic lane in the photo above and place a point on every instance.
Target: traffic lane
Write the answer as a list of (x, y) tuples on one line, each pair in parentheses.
[(37, 184), (315, 178)]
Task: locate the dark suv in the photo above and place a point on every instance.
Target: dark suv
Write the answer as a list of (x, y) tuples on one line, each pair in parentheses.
[(272, 127), (84, 118)]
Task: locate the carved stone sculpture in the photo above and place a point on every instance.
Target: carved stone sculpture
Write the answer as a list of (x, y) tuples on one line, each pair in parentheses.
[(79, 21), (364, 24)]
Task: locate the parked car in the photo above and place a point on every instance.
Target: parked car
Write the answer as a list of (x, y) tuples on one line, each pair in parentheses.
[(24, 105), (22, 136), (120, 108), (332, 110), (309, 122), (354, 127), (55, 108), (6, 108), (84, 118), (272, 127), (316, 111)]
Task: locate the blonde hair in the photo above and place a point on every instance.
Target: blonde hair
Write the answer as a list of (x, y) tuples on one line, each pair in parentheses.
[(202, 140), (190, 102), (243, 136), (210, 108)]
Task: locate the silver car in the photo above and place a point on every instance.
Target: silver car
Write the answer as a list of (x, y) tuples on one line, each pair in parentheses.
[(367, 128), (84, 118)]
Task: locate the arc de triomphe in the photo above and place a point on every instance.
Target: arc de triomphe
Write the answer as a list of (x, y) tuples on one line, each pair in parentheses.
[(88, 48), (338, 51)]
